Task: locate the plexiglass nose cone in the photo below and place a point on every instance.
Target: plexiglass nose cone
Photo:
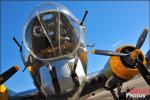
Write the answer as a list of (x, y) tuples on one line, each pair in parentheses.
[(52, 32)]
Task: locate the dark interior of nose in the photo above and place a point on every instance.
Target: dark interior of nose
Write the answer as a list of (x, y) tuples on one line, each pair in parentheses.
[(59, 31)]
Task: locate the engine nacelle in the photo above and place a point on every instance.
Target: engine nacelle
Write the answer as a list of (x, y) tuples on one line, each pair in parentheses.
[(122, 66)]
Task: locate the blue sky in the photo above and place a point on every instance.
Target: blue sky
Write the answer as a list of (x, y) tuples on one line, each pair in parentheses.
[(108, 24)]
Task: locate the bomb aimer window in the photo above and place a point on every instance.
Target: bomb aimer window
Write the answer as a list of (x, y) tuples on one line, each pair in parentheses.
[(52, 34)]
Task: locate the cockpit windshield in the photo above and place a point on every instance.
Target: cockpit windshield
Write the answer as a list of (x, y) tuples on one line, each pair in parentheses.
[(52, 33)]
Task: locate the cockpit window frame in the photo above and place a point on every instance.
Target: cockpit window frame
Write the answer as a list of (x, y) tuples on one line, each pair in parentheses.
[(70, 55)]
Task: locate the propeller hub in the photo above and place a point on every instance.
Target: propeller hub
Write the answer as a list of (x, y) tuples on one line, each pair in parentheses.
[(134, 54)]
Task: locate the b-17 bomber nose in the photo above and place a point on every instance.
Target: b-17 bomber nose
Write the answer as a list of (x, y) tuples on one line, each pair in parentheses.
[(52, 32)]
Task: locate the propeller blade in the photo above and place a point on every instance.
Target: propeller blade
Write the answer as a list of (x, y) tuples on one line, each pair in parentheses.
[(148, 55), (7, 74), (148, 58), (144, 72), (108, 53), (141, 39)]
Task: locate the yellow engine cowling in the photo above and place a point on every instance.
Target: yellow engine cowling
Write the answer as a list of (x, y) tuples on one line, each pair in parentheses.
[(121, 70), (3, 92)]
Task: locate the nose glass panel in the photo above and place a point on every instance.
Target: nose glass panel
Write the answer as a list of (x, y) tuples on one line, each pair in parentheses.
[(51, 35)]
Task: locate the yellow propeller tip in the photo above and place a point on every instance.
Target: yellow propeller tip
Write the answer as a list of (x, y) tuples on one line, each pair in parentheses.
[(2, 88), (93, 51), (29, 68), (17, 67), (146, 30)]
